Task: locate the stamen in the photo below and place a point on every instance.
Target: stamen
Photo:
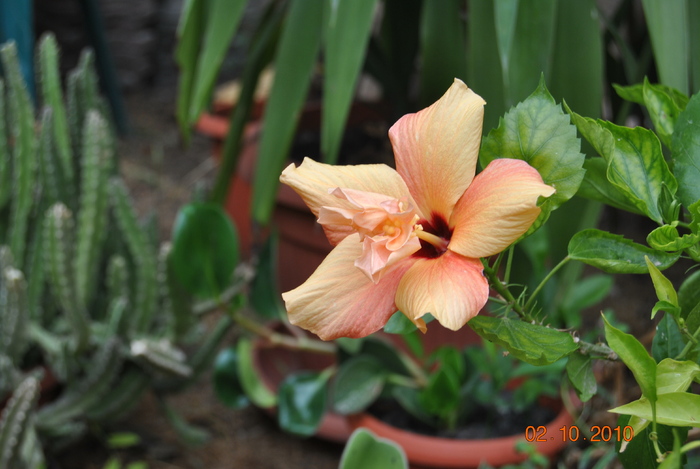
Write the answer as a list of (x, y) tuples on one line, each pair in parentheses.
[(438, 242)]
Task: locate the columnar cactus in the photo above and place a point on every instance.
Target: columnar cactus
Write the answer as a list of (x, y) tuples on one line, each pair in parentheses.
[(81, 282)]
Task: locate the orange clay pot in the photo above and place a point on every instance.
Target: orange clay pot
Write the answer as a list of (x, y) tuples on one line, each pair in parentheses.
[(433, 452)]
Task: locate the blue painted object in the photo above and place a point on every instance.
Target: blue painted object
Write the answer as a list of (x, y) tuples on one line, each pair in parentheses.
[(17, 23)]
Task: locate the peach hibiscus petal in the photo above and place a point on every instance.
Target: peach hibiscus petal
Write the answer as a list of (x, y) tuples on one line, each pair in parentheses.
[(498, 207), (436, 149), (312, 181), (451, 287), (338, 300)]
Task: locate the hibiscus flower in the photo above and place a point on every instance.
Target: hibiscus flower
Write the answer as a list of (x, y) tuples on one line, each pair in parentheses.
[(412, 238)]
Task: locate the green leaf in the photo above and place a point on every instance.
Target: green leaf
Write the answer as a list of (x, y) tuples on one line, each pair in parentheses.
[(615, 254), (668, 341), (205, 249), (398, 323), (667, 238), (443, 50), (251, 383), (668, 30), (689, 301), (264, 293), (222, 19), (580, 371), (662, 285), (634, 355), (637, 167), (347, 34), (364, 450), (357, 385), (540, 133), (532, 45), (441, 396), (675, 376), (302, 402), (227, 385), (505, 13), (295, 61), (450, 358), (595, 186), (640, 453), (534, 344), (680, 409), (578, 77), (587, 292), (663, 109), (685, 148), (385, 353), (121, 440), (635, 94)]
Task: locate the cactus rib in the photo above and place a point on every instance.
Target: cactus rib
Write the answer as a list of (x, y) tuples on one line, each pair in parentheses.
[(16, 419)]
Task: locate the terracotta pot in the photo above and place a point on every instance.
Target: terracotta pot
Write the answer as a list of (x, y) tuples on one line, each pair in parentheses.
[(432, 452), (275, 363), (302, 243)]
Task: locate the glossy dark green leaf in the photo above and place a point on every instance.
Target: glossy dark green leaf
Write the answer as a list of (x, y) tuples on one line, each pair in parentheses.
[(668, 340), (580, 370), (443, 50), (634, 355), (685, 147), (357, 385), (302, 402), (385, 353), (689, 301), (250, 380), (348, 31), (205, 249), (364, 450), (264, 293), (540, 133), (667, 238), (227, 385), (295, 61), (639, 453), (531, 343), (615, 254)]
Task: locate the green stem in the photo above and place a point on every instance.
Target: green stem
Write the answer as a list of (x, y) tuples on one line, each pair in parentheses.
[(551, 273), (692, 341), (401, 380), (503, 290), (600, 351), (509, 263)]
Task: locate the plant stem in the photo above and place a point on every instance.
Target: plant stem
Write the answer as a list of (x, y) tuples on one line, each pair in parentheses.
[(503, 290), (601, 351), (551, 273), (509, 263)]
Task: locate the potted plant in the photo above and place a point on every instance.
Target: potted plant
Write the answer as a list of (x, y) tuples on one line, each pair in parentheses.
[(88, 294)]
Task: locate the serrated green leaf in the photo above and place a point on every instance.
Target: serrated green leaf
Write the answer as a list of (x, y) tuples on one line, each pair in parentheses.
[(615, 254), (685, 147), (347, 32), (540, 133), (302, 402), (295, 60), (668, 341), (580, 371), (357, 385), (680, 409), (251, 383), (205, 249), (364, 450), (534, 344), (662, 285), (667, 238), (227, 385), (634, 355), (663, 110)]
